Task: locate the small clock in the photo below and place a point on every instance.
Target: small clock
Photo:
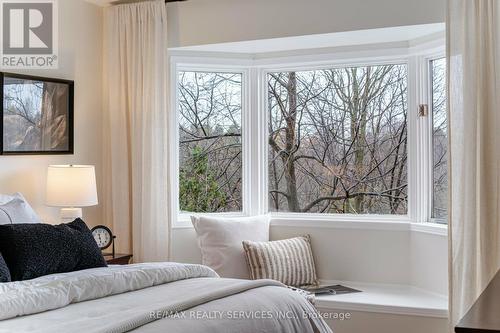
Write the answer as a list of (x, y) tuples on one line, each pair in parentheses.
[(103, 236)]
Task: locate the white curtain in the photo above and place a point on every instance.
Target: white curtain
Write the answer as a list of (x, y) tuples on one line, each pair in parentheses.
[(135, 116), (474, 115)]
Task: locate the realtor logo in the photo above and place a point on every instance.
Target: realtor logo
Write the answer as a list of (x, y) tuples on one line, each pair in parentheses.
[(29, 33)]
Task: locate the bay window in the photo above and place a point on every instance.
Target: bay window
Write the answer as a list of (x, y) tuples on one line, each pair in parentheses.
[(330, 140)]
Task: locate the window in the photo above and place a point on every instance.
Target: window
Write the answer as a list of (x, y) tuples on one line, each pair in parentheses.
[(318, 138), (210, 145), (338, 140), (439, 138)]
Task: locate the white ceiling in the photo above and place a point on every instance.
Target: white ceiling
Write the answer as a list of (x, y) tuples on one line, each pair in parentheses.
[(330, 40)]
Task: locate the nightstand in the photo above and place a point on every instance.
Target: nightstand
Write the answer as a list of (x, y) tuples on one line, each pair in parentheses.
[(117, 259)]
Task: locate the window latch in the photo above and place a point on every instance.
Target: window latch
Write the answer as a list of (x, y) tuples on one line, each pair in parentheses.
[(423, 110)]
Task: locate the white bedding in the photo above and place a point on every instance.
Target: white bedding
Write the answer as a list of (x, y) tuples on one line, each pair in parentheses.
[(136, 297), (58, 290)]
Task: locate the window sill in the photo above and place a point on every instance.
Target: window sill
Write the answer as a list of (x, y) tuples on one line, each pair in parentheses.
[(430, 228), (338, 221), (184, 219)]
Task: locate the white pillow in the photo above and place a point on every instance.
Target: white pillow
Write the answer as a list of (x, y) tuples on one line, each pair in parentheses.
[(15, 209), (4, 217), (220, 241), (4, 198)]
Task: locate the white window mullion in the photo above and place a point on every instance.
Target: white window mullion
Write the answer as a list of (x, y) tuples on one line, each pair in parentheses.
[(422, 162), (259, 155), (247, 146), (252, 147), (413, 146)]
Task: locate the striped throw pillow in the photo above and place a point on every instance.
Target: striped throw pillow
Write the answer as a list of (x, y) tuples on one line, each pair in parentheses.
[(289, 261)]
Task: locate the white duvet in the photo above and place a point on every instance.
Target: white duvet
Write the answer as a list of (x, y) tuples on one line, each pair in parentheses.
[(58, 290), (123, 299)]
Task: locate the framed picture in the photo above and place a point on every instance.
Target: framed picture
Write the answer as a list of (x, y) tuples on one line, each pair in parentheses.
[(36, 115)]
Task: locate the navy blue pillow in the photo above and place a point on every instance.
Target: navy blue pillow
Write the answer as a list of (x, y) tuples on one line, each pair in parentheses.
[(34, 250), (4, 271)]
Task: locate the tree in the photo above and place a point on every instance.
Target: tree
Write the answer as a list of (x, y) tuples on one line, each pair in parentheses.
[(210, 126), (198, 187), (338, 140), (440, 138)]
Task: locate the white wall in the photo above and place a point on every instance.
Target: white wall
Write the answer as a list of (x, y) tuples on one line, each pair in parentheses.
[(369, 322), (80, 53), (429, 262), (375, 256), (196, 22)]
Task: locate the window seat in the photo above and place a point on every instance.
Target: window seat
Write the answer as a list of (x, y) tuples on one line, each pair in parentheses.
[(389, 299)]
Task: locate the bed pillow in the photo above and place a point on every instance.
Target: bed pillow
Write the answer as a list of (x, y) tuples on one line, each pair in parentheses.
[(15, 209), (4, 271), (289, 261), (220, 242), (4, 217), (7, 197), (34, 250)]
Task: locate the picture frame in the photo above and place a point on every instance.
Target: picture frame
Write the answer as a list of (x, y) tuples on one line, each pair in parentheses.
[(36, 115)]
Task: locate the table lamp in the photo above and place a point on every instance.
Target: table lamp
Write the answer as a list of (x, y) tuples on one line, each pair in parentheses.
[(71, 187)]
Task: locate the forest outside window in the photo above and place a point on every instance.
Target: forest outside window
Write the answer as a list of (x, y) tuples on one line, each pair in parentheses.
[(210, 145), (338, 140)]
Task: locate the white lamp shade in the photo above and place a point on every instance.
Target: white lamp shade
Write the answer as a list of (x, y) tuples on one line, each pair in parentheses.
[(71, 186)]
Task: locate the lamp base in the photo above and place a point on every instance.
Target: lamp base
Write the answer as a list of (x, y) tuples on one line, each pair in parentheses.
[(70, 214)]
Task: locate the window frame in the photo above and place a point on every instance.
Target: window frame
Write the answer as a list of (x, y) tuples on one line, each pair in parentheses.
[(337, 65), (254, 72), (183, 219), (429, 59)]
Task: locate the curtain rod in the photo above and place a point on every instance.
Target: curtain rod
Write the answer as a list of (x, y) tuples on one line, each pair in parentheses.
[(119, 2)]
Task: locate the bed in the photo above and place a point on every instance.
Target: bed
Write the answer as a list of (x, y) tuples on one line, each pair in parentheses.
[(153, 297)]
